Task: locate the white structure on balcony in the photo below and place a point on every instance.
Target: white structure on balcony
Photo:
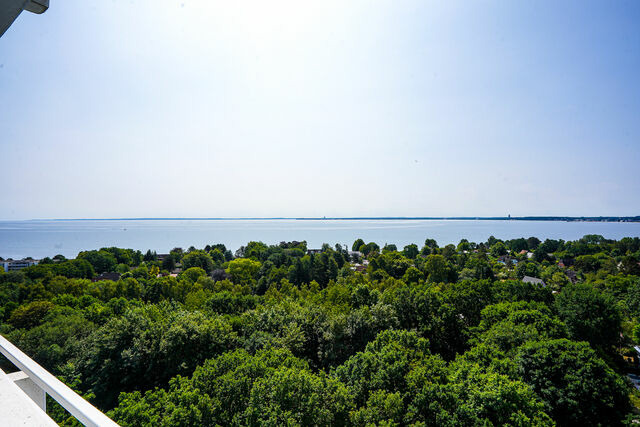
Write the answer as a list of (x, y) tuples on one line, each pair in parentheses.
[(23, 394)]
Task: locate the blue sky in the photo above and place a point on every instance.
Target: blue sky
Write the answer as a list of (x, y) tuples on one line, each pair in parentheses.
[(287, 108)]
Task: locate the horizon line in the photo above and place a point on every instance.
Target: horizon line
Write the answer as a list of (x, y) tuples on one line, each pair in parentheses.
[(611, 218)]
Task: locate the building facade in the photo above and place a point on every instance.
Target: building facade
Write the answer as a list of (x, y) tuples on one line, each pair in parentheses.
[(11, 265)]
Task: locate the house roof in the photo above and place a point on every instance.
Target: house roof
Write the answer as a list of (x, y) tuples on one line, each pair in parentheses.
[(529, 279), (108, 276)]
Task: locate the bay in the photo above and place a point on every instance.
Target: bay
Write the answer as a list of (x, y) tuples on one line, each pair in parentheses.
[(41, 238)]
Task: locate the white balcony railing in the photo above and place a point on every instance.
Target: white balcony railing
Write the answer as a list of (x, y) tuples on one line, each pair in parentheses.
[(36, 382)]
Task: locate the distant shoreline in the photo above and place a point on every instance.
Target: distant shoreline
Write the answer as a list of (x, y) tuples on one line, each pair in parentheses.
[(372, 218)]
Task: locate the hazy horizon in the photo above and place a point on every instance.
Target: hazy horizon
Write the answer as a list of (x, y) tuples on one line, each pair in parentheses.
[(355, 218), (287, 109)]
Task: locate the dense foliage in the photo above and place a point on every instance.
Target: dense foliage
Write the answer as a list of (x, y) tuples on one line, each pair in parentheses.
[(367, 335)]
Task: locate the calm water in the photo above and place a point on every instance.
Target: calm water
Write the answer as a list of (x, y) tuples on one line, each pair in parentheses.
[(47, 238)]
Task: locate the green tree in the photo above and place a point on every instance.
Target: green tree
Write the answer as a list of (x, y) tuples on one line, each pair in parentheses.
[(411, 251), (532, 243), (431, 243), (169, 263), (369, 248), (430, 312), (517, 245), (518, 327), (527, 268), (437, 269), (576, 386), (30, 315), (146, 347), (357, 244), (55, 340), (382, 408), (630, 265), (590, 315), (243, 270), (218, 257), (384, 364), (498, 249), (587, 263), (463, 246), (198, 258), (101, 261), (149, 256), (473, 396), (298, 398), (193, 274), (412, 275), (389, 247), (448, 251), (218, 393)]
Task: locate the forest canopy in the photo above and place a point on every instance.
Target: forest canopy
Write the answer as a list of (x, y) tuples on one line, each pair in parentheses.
[(514, 332)]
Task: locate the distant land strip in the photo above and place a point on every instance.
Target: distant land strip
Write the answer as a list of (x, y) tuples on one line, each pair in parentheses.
[(379, 218)]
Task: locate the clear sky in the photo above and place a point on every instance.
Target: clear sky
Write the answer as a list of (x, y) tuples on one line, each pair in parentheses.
[(329, 108)]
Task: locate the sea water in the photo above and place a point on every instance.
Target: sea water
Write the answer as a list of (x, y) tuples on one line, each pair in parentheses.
[(41, 238)]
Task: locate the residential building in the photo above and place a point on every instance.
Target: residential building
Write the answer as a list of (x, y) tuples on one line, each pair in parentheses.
[(11, 265)]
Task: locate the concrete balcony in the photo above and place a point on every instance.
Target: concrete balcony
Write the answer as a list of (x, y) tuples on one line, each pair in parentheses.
[(17, 408), (23, 394)]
